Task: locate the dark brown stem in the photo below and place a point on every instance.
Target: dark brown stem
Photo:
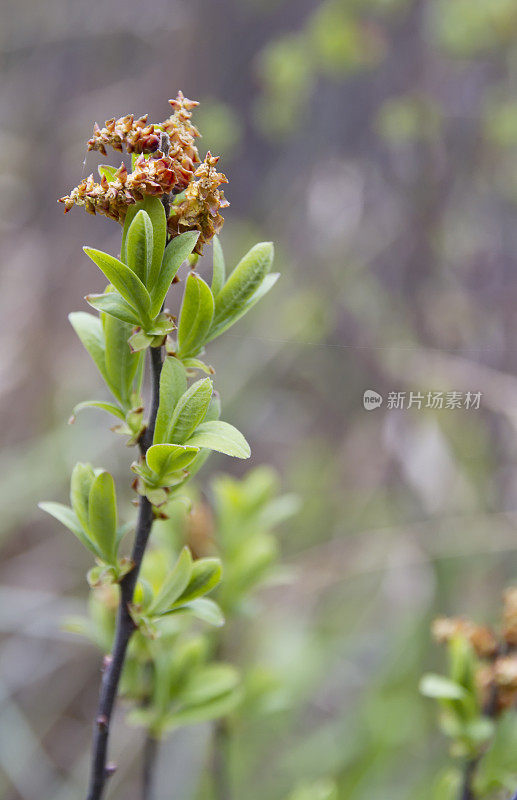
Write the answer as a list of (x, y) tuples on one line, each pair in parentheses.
[(150, 757), (124, 625), (467, 791)]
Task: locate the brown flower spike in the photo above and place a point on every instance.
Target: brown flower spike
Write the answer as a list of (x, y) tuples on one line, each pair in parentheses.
[(165, 166), (496, 674)]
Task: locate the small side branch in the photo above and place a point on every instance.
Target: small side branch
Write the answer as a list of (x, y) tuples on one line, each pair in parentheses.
[(125, 627)]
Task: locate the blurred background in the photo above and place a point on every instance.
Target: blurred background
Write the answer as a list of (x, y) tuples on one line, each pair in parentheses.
[(375, 142)]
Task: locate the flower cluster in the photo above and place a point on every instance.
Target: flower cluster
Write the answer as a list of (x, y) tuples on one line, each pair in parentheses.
[(198, 207), (165, 164), (496, 675), (135, 135)]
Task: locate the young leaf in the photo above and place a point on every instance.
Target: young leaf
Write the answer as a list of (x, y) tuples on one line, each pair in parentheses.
[(196, 364), (139, 341), (222, 437), (173, 383), (175, 254), (219, 707), (68, 518), (190, 411), (153, 207), (124, 280), (206, 610), (243, 282), (441, 688), (102, 515), (174, 585), (113, 303), (89, 330), (121, 363), (139, 245), (219, 267), (81, 482), (111, 408), (196, 315), (214, 409), (206, 574), (166, 458), (109, 172), (267, 284), (208, 683)]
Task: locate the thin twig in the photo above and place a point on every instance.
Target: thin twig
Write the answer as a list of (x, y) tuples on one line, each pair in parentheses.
[(125, 626), (467, 791), (150, 756)]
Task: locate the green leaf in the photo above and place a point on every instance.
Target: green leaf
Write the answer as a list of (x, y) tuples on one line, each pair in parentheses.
[(139, 341), (208, 683), (267, 284), (173, 384), (206, 610), (174, 585), (109, 172), (322, 790), (163, 324), (124, 280), (220, 707), (441, 688), (139, 245), (206, 574), (197, 311), (83, 476), (166, 458), (68, 518), (121, 362), (111, 408), (243, 282), (222, 437), (190, 411), (462, 663), (89, 330), (175, 254), (196, 363), (214, 409), (219, 267), (153, 206), (102, 515), (113, 304), (251, 561)]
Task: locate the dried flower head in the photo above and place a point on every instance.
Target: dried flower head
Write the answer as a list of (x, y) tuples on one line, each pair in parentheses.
[(135, 136), (482, 639), (109, 198), (165, 167), (199, 207)]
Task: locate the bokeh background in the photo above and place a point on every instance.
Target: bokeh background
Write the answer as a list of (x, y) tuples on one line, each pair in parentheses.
[(375, 141)]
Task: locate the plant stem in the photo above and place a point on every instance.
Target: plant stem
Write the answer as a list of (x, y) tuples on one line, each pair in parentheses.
[(151, 749), (124, 625), (467, 791), (220, 761), (469, 770)]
